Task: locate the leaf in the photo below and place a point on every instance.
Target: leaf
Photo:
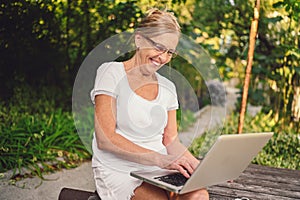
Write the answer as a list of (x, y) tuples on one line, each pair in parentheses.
[(274, 19), (279, 4), (297, 69)]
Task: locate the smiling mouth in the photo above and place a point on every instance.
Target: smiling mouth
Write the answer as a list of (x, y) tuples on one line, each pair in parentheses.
[(156, 63)]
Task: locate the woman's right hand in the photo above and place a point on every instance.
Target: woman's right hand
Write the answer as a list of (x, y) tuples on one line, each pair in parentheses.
[(182, 164)]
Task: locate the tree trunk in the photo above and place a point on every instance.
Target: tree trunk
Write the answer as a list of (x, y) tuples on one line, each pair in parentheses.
[(296, 99), (253, 33)]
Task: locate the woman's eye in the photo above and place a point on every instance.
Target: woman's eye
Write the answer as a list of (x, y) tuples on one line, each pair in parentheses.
[(160, 48)]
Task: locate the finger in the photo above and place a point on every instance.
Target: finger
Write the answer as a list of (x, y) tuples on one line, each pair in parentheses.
[(185, 163), (183, 169), (178, 167), (188, 168), (183, 172)]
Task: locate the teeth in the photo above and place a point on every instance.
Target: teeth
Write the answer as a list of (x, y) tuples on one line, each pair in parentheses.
[(155, 63)]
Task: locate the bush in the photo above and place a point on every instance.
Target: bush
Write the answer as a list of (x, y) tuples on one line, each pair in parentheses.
[(37, 135), (185, 119), (282, 150)]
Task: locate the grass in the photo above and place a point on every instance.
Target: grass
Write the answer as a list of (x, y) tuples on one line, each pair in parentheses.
[(39, 136)]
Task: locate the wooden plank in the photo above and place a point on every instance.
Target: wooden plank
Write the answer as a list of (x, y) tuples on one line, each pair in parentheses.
[(260, 182), (295, 174), (267, 174), (267, 183), (262, 189), (221, 193), (220, 197)]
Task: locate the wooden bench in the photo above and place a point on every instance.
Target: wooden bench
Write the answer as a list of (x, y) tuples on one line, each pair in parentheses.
[(260, 182), (256, 183)]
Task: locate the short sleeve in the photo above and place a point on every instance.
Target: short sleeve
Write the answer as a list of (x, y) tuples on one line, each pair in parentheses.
[(168, 93), (173, 100), (105, 81)]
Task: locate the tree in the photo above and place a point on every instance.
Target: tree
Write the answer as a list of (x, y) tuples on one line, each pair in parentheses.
[(253, 33), (27, 43)]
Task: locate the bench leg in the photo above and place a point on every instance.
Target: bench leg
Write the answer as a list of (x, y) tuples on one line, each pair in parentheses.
[(74, 194)]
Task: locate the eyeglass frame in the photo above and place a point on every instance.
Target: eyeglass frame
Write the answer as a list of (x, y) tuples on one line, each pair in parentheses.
[(160, 47)]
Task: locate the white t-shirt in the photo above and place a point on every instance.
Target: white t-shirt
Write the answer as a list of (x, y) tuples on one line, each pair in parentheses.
[(139, 120)]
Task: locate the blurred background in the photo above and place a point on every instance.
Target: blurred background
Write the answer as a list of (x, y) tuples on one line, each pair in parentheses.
[(44, 42)]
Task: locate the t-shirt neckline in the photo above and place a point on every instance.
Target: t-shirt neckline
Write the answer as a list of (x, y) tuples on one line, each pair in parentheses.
[(140, 97)]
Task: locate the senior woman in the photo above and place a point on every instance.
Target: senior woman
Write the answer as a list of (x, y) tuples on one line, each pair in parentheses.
[(135, 116)]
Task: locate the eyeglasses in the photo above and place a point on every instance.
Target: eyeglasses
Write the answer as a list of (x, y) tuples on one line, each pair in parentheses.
[(161, 48)]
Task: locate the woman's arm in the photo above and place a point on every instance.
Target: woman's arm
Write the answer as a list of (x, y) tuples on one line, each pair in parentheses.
[(109, 140), (183, 161)]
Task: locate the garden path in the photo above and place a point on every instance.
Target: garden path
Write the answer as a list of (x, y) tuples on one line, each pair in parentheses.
[(211, 117)]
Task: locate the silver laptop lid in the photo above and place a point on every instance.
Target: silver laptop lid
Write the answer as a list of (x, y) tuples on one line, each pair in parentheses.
[(227, 159)]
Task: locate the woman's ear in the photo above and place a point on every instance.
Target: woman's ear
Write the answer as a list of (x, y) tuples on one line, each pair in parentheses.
[(138, 40)]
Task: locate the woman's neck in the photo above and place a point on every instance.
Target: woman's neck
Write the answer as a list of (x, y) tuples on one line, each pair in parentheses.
[(134, 68)]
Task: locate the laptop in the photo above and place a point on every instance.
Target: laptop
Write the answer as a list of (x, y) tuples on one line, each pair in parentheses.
[(228, 157)]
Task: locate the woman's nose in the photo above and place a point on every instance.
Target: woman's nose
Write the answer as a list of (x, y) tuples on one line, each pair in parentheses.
[(164, 57)]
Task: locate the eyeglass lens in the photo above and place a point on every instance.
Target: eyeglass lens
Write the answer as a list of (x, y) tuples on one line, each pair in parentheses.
[(161, 48)]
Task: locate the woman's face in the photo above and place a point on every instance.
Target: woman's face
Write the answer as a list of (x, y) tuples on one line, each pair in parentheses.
[(156, 51)]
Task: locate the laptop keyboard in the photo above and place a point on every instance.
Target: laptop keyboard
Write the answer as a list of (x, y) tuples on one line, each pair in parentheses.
[(176, 179)]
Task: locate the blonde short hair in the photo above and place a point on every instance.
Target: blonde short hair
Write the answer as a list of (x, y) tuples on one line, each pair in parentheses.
[(158, 22)]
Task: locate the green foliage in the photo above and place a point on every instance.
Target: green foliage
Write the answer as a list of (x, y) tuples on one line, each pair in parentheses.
[(28, 40), (185, 119), (282, 150), (278, 57), (36, 135), (46, 41), (202, 144)]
